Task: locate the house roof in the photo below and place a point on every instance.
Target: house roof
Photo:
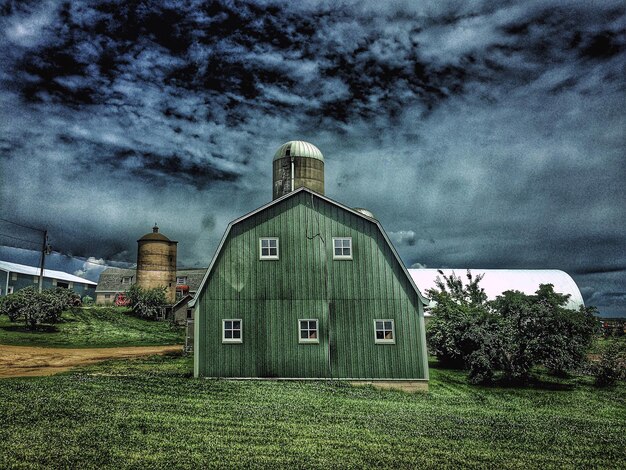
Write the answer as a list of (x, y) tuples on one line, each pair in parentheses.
[(423, 299), (183, 300), (111, 278), (49, 273), (194, 277), (497, 281)]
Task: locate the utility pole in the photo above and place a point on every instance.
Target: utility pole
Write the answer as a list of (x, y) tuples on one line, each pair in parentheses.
[(44, 252)]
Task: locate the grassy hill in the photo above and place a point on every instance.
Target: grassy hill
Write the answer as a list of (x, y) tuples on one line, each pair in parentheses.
[(92, 327), (150, 413)]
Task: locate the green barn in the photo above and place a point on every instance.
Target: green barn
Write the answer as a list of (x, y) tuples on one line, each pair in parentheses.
[(307, 288)]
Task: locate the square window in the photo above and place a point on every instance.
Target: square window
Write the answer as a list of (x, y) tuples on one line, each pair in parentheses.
[(181, 280), (308, 331), (384, 332), (268, 248), (342, 248), (232, 331)]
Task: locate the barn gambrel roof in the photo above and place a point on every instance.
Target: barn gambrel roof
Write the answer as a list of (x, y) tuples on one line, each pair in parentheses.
[(423, 299)]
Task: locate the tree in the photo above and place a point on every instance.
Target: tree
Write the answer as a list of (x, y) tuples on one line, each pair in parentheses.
[(541, 331), (146, 303), (508, 336), (458, 318)]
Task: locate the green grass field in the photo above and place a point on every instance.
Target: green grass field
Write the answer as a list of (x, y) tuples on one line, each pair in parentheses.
[(150, 413), (95, 327)]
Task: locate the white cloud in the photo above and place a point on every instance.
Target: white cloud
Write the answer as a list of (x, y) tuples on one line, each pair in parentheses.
[(29, 29)]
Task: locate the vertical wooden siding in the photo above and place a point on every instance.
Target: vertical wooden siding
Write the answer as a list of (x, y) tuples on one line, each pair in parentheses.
[(344, 295)]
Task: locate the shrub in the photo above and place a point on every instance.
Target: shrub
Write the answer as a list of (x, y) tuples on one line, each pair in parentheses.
[(34, 308), (67, 297), (510, 335), (146, 303), (87, 300), (611, 367), (541, 331)]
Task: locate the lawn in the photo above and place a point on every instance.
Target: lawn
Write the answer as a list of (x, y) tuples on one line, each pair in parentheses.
[(150, 413), (92, 327)]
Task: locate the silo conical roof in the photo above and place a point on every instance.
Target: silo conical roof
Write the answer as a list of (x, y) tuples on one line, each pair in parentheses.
[(155, 236)]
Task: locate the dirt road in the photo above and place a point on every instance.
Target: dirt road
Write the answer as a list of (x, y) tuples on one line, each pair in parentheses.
[(23, 361)]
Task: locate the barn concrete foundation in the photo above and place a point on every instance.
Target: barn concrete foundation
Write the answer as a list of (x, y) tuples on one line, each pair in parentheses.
[(410, 386)]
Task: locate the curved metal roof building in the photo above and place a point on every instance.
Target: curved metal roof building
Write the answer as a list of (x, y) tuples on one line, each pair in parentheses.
[(497, 281)]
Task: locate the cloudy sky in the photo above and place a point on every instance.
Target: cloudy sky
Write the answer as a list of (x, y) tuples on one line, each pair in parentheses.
[(486, 134)]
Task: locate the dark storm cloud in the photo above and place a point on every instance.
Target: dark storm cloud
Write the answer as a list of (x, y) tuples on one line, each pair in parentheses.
[(486, 133)]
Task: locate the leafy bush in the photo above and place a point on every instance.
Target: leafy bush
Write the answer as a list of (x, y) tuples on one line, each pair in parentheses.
[(87, 300), (507, 336), (67, 297), (541, 331), (34, 308), (454, 331), (146, 303), (612, 365)]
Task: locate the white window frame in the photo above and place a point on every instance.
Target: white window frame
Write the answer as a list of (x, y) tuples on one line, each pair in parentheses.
[(232, 340), (269, 257), (393, 331), (315, 340), (127, 279), (181, 280), (342, 256)]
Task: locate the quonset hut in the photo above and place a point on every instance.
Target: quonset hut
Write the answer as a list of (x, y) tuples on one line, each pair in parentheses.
[(497, 281), (307, 288)]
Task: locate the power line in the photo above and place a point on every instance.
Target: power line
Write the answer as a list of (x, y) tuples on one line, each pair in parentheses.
[(23, 226), (17, 238)]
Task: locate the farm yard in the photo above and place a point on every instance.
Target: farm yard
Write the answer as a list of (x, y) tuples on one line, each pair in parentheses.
[(151, 413), (92, 327)]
